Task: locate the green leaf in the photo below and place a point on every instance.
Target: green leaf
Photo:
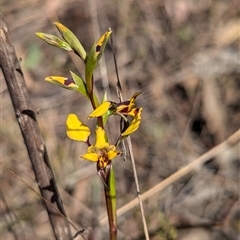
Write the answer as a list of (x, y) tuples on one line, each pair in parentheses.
[(82, 87), (71, 39), (104, 99), (54, 41), (80, 83)]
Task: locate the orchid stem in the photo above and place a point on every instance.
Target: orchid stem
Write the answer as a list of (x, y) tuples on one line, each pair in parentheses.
[(110, 196)]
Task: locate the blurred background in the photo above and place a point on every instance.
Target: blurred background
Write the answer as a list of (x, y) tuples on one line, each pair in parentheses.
[(184, 58)]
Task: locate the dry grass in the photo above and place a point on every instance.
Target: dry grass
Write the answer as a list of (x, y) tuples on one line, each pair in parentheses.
[(184, 57)]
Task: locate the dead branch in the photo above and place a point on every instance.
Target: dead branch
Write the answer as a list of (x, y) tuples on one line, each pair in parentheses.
[(27, 121)]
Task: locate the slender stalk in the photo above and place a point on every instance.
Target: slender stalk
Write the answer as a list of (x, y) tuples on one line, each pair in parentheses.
[(138, 189), (89, 80), (119, 93), (108, 180), (111, 215), (91, 97)]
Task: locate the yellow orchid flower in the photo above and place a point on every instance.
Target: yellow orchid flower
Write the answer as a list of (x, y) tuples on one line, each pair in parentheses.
[(101, 152), (123, 108)]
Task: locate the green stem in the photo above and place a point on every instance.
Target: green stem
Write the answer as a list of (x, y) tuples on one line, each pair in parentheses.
[(110, 196), (89, 81), (91, 97)]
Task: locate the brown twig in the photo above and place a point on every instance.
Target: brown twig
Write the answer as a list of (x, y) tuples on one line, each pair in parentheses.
[(29, 128)]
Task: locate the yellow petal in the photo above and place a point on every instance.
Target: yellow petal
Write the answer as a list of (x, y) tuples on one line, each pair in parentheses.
[(76, 130), (90, 156), (133, 112), (131, 106), (100, 110), (134, 124), (128, 107), (57, 79), (100, 138), (112, 154), (122, 108), (132, 99)]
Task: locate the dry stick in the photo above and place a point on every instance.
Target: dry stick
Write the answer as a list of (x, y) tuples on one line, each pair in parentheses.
[(193, 166), (139, 198), (119, 93), (29, 127)]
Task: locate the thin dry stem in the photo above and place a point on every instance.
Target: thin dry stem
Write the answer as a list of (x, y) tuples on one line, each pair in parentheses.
[(138, 188)]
